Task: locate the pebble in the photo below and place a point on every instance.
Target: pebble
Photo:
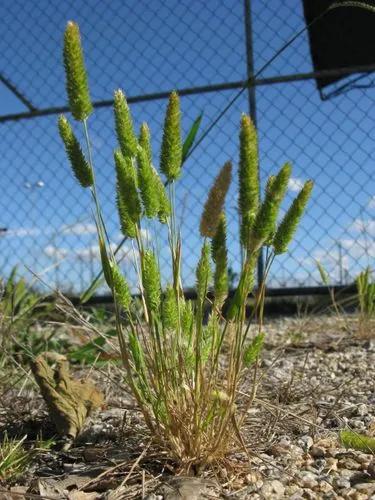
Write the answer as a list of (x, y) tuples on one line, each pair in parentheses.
[(317, 452), (367, 487), (349, 463), (342, 482), (371, 469), (305, 442), (325, 487), (308, 479), (298, 495), (362, 410), (331, 464), (359, 477), (273, 489)]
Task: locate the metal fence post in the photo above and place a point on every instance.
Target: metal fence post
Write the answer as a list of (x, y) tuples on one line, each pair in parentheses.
[(251, 95)]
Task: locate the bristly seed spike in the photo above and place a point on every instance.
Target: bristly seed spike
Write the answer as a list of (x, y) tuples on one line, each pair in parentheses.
[(76, 77)]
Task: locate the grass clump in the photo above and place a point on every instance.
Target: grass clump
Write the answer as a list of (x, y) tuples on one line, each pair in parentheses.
[(21, 308), (363, 300), (366, 300), (183, 371), (14, 459), (361, 442)]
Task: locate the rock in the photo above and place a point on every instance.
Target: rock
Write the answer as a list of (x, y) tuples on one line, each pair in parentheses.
[(188, 488), (325, 487), (331, 464), (305, 442), (309, 494), (293, 489), (273, 489), (298, 495), (342, 482), (320, 464), (277, 450), (359, 477), (349, 463), (345, 473), (362, 410), (317, 452), (284, 441), (359, 496), (309, 480), (371, 469), (368, 488), (346, 493), (362, 458)]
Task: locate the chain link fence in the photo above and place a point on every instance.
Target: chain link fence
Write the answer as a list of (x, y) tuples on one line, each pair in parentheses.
[(207, 51)]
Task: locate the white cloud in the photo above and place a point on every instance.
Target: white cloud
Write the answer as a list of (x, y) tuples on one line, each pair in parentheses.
[(55, 252), (364, 226), (331, 257), (371, 203), (22, 232), (295, 184), (89, 253), (78, 229), (359, 247), (93, 253)]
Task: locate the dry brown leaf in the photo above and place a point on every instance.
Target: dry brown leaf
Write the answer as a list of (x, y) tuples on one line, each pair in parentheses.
[(69, 401)]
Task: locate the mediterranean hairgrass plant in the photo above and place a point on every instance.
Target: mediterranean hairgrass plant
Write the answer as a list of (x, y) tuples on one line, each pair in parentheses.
[(183, 371)]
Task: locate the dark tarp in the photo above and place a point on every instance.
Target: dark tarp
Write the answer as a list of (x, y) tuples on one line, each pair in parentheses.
[(343, 38)]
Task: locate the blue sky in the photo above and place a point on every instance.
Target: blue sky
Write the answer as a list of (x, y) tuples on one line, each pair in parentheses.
[(146, 47)]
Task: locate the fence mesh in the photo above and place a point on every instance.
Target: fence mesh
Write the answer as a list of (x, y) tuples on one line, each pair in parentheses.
[(150, 48)]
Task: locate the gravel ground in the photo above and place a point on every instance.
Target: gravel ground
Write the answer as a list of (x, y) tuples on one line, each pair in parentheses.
[(317, 380)]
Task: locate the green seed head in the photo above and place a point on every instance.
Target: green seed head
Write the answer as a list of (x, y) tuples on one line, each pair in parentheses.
[(147, 184), (136, 352), (288, 225), (215, 202), (106, 264), (124, 125), (80, 165), (323, 273), (128, 228), (127, 186), (145, 141), (121, 288), (76, 78), (171, 148), (169, 309), (248, 177), (245, 286), (265, 220), (220, 258), (187, 318), (151, 281), (203, 272), (253, 350), (164, 203)]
